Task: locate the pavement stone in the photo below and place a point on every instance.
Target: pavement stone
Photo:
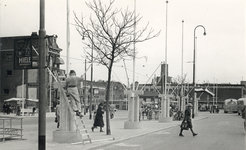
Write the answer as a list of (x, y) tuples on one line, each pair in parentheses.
[(99, 139)]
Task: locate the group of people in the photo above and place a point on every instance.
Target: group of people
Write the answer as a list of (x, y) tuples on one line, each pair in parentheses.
[(213, 109), (72, 91), (7, 108)]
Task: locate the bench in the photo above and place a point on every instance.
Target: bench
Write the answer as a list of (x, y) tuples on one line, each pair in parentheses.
[(26, 111)]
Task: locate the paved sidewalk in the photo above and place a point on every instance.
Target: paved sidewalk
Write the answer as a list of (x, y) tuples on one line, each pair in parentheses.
[(118, 133)]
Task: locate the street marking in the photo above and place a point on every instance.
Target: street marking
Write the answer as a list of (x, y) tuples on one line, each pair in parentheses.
[(126, 145), (162, 132)]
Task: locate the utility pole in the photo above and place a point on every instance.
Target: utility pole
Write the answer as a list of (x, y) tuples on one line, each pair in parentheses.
[(42, 80)]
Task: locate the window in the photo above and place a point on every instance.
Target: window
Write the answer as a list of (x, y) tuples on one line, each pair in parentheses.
[(9, 57), (5, 91), (9, 72)]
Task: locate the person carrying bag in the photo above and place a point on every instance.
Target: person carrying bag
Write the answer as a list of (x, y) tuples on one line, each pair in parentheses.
[(186, 123)]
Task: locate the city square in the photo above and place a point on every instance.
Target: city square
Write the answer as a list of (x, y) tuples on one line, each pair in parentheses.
[(140, 73)]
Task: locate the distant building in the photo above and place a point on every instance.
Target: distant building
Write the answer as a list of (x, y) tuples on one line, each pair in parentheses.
[(221, 91), (116, 97)]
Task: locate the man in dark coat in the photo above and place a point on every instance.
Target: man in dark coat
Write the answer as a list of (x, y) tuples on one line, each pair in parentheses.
[(8, 109), (4, 108), (98, 122), (187, 118)]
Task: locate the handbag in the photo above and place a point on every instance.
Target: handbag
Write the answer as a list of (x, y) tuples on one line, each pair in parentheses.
[(56, 120), (184, 126)]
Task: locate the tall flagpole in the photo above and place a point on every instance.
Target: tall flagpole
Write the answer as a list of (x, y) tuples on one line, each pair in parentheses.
[(164, 115), (134, 47), (165, 76), (68, 38)]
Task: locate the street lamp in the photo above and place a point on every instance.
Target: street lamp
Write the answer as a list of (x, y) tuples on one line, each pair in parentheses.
[(91, 94), (194, 67)]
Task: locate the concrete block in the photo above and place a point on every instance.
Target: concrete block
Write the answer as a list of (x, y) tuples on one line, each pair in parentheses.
[(132, 125), (66, 136), (165, 119)]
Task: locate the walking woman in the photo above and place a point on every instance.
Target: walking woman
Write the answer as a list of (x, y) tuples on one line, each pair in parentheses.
[(187, 118), (98, 122)]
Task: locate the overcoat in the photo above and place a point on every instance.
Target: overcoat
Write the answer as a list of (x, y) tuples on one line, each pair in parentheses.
[(187, 117), (99, 118)]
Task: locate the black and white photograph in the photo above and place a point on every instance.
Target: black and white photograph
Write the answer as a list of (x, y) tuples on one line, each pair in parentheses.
[(122, 74)]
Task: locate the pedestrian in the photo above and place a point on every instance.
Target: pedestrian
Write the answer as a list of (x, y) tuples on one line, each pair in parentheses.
[(8, 109), (98, 122), (58, 110), (4, 108), (72, 90), (33, 110), (187, 118), (18, 110)]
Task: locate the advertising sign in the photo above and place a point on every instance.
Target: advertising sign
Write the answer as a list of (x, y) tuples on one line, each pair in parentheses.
[(25, 53)]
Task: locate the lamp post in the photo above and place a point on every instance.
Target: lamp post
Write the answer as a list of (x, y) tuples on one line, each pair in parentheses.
[(91, 94), (181, 103), (194, 67)]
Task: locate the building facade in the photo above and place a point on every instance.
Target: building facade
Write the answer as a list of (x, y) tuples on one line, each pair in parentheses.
[(23, 83)]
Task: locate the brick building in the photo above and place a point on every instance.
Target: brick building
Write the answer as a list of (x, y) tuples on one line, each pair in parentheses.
[(12, 78)]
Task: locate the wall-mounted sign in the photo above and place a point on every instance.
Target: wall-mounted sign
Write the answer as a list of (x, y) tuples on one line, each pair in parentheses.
[(25, 53)]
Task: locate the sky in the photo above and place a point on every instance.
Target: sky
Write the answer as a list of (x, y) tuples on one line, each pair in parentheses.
[(220, 55)]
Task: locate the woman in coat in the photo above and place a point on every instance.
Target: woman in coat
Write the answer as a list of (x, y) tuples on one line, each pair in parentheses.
[(98, 122), (187, 118)]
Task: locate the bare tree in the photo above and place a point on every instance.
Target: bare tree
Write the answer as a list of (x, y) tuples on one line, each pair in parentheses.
[(181, 81), (112, 35)]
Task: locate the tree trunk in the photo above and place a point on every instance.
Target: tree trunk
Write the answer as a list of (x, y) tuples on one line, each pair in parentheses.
[(108, 130)]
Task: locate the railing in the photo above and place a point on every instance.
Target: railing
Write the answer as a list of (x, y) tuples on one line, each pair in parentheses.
[(9, 132)]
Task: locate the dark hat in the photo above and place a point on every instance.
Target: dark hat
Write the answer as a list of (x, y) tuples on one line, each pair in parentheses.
[(72, 71)]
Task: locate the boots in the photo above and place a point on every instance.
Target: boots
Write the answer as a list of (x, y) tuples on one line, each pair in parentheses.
[(79, 114), (180, 134), (101, 129), (194, 134)]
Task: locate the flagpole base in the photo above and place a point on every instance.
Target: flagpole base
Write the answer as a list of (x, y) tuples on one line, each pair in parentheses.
[(66, 136), (132, 125), (165, 119)]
